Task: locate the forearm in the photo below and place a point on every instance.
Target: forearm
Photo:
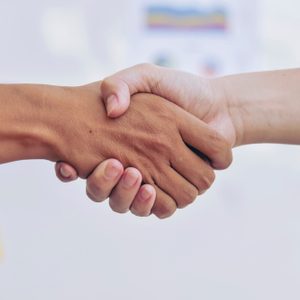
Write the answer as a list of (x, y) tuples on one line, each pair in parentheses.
[(265, 107), (26, 117)]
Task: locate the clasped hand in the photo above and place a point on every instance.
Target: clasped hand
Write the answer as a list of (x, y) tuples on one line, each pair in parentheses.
[(152, 136)]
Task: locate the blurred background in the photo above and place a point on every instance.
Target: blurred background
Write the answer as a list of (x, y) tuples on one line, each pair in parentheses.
[(241, 240)]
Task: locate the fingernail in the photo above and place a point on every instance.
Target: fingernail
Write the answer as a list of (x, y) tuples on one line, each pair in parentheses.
[(129, 179), (111, 104), (112, 171), (65, 172), (146, 193)]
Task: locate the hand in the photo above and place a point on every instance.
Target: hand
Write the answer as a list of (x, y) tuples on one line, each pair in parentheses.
[(163, 135), (204, 98)]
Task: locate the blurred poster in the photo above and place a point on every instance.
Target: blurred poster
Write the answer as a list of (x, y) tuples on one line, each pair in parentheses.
[(206, 37), (194, 18)]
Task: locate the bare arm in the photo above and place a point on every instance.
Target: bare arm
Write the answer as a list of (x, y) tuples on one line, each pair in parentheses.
[(265, 107), (26, 131), (70, 124)]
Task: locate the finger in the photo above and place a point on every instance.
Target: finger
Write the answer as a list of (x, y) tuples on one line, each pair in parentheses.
[(178, 188), (143, 201), (193, 169), (116, 96), (117, 89), (104, 178), (65, 172), (164, 206), (205, 139), (122, 196)]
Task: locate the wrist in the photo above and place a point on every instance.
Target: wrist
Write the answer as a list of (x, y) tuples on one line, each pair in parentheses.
[(225, 92), (223, 111), (28, 115)]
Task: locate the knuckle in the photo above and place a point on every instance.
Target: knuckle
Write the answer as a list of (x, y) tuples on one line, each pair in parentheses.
[(163, 216), (228, 159), (116, 207), (206, 181), (188, 196), (105, 84), (218, 142), (162, 144), (95, 187), (149, 73), (221, 150), (139, 213), (93, 197), (202, 192), (164, 211)]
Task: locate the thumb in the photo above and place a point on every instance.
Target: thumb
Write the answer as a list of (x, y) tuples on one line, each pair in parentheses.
[(118, 88), (147, 78), (116, 96)]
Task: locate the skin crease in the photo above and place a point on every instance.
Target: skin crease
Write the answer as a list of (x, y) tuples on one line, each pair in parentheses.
[(245, 109), (70, 124)]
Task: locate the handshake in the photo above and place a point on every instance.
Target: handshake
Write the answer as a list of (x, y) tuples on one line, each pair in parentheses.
[(151, 147), (153, 141), (149, 138)]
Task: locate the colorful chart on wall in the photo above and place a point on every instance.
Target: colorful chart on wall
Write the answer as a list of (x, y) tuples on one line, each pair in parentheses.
[(207, 37)]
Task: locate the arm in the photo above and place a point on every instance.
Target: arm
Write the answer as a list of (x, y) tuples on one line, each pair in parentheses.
[(26, 130), (75, 129), (264, 107)]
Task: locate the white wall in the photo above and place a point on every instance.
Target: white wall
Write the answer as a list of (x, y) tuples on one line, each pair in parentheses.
[(239, 241)]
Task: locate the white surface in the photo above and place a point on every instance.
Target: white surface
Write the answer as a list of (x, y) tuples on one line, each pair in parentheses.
[(239, 241)]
